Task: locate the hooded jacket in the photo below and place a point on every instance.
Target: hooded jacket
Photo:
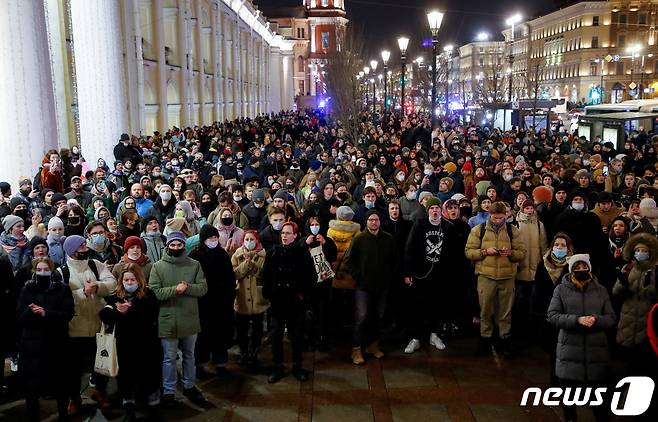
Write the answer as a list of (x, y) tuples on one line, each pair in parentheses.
[(637, 289), (494, 267), (342, 233), (532, 234), (249, 298), (179, 314), (582, 352)]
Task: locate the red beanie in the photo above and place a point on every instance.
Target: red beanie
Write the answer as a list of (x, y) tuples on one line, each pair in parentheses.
[(542, 194), (467, 166), (133, 241)]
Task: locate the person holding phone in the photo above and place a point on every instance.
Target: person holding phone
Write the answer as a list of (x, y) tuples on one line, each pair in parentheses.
[(495, 249)]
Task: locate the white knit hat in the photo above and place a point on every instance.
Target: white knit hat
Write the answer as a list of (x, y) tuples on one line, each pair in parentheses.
[(55, 223), (581, 257)]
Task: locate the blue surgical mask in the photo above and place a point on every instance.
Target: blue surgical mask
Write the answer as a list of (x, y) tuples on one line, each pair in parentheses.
[(250, 244), (130, 288), (315, 230), (578, 206), (641, 256), (559, 253), (369, 204), (98, 239)]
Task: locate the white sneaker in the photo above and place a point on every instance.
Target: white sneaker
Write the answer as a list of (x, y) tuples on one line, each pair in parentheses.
[(412, 346), (437, 342), (13, 365)]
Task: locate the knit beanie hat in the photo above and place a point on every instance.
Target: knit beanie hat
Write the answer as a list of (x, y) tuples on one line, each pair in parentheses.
[(431, 202), (458, 197), (345, 213), (133, 241), (36, 241), (581, 257), (542, 194), (58, 197), (10, 221), (448, 181), (207, 231), (647, 205), (527, 203), (583, 173), (483, 198), (424, 194), (55, 223), (73, 243), (175, 236), (258, 195), (450, 166), (16, 201), (281, 194)]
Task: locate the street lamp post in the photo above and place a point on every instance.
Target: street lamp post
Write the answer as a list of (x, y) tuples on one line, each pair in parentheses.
[(373, 66), (385, 56), (366, 72), (634, 50), (448, 52), (403, 43), (512, 21), (434, 18)]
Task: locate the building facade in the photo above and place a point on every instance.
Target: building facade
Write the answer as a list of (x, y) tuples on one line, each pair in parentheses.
[(588, 52), (479, 61), (317, 28), (82, 72)]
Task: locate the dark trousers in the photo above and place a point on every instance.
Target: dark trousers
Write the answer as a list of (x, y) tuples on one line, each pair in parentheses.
[(428, 310), (216, 337), (293, 319), (370, 308), (32, 407), (522, 310), (322, 316), (82, 356), (601, 413), (249, 345)]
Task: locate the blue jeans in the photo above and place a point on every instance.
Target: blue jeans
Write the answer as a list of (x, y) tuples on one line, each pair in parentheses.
[(169, 375), (369, 316)]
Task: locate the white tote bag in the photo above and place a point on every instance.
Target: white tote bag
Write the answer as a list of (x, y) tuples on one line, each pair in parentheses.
[(106, 362)]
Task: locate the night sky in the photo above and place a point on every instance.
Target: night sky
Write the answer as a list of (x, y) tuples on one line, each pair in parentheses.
[(382, 21)]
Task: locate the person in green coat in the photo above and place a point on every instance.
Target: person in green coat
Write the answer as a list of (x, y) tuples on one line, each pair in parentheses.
[(178, 282)]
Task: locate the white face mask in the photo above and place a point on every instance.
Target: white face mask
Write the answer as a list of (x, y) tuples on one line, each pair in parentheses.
[(211, 244), (134, 256), (250, 244), (166, 196), (277, 226), (411, 195), (401, 177), (315, 230), (428, 172)]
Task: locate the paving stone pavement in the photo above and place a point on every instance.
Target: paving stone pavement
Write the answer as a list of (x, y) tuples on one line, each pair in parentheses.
[(430, 385)]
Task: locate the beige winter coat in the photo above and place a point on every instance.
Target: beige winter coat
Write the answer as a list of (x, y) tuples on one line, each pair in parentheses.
[(249, 298), (533, 235), (86, 322), (342, 233), (495, 267)]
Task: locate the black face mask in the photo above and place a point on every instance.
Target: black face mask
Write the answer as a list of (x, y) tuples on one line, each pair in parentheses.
[(582, 275), (81, 256), (74, 221), (43, 281), (227, 221), (21, 213), (175, 252), (342, 196)]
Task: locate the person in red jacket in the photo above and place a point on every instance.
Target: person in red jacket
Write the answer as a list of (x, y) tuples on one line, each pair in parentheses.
[(51, 172)]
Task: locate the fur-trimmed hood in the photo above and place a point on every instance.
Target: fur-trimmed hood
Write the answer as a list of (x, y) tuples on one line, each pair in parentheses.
[(344, 226), (647, 239)]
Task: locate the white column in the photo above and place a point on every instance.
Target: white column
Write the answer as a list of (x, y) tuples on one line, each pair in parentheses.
[(27, 99), (237, 70), (134, 64), (184, 33), (274, 72), (158, 21), (100, 76)]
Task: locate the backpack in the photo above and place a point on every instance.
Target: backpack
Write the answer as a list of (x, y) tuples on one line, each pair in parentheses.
[(507, 225), (66, 272)]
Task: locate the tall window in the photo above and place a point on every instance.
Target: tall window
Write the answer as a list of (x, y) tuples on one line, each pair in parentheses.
[(593, 69), (300, 64), (623, 19), (620, 68), (325, 40), (595, 42), (642, 18), (621, 40), (325, 3), (595, 21)]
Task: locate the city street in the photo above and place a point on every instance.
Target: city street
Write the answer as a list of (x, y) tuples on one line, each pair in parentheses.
[(429, 385)]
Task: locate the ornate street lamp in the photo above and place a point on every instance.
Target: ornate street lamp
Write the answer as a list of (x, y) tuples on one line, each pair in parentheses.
[(373, 66), (385, 56), (403, 43), (434, 18)]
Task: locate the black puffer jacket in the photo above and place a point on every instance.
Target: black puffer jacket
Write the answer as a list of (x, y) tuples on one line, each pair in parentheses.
[(44, 339), (582, 352)]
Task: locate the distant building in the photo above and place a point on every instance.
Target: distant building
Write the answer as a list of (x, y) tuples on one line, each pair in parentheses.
[(317, 27)]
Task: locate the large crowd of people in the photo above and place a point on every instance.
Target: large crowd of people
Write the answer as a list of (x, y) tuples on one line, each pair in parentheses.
[(243, 232)]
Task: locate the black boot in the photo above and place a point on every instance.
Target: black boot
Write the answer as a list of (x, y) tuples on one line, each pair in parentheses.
[(276, 375), (504, 347), (300, 373), (483, 347)]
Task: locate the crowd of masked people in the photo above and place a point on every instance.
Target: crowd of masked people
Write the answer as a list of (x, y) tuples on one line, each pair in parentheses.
[(197, 239)]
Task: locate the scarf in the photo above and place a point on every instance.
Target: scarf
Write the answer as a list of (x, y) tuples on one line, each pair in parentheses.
[(10, 242), (554, 267)]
